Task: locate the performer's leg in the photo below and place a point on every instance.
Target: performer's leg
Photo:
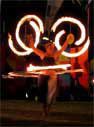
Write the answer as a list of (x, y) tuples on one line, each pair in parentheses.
[(52, 88), (43, 90)]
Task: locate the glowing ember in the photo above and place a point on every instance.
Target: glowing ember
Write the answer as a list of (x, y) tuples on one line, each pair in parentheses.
[(33, 68)]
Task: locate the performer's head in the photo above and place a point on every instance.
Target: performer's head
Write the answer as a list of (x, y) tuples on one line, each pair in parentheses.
[(50, 47), (47, 43)]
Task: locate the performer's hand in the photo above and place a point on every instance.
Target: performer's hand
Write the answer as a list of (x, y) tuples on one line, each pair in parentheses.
[(70, 38)]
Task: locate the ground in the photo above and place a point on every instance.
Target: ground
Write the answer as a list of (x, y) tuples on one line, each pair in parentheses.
[(25, 113)]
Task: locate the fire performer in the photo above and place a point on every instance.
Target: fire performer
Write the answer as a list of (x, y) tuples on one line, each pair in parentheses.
[(48, 81)]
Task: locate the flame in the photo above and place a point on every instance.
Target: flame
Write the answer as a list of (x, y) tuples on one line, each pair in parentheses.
[(10, 42), (34, 68), (22, 74), (36, 73), (75, 21), (37, 30), (33, 24), (57, 38), (85, 47)]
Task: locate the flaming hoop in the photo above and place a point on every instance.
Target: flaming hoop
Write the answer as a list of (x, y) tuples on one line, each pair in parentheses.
[(36, 73)]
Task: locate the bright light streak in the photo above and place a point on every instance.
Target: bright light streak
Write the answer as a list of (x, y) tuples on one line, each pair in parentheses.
[(37, 31), (34, 68), (22, 74), (36, 73), (85, 47), (75, 21), (27, 52), (57, 38), (10, 42), (58, 72), (7, 76), (71, 71), (33, 24)]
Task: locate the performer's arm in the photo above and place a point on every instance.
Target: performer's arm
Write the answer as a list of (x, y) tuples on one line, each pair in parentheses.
[(70, 38), (58, 53), (36, 50)]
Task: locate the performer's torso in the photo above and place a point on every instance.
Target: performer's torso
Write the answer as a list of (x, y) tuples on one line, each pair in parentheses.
[(47, 61)]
